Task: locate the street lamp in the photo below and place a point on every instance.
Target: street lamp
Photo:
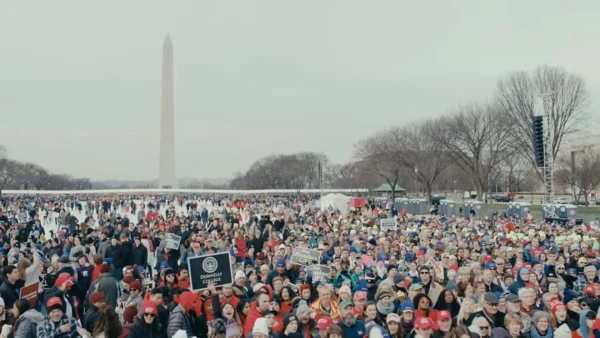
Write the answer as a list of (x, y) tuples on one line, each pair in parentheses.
[(416, 192)]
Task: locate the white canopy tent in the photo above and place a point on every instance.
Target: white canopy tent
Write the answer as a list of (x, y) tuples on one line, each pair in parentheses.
[(336, 201)]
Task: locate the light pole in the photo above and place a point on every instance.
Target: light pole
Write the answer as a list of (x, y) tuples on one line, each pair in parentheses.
[(416, 173)]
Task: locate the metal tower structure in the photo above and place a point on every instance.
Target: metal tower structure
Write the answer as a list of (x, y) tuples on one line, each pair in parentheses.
[(546, 107)]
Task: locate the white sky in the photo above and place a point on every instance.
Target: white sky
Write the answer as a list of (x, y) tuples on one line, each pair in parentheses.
[(80, 80)]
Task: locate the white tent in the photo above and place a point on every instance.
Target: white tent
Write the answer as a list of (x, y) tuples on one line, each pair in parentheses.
[(335, 201)]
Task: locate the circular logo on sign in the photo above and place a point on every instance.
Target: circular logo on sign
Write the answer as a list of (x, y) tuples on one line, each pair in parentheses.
[(210, 265)]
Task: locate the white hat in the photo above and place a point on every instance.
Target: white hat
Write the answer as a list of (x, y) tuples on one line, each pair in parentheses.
[(281, 246), (240, 274), (260, 326)]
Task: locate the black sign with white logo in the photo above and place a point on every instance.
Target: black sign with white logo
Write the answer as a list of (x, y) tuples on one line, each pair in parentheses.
[(214, 268), (306, 257), (320, 273)]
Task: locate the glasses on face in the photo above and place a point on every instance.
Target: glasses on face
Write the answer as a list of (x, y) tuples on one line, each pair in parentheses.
[(560, 269), (492, 304), (149, 315), (583, 305), (483, 328), (170, 276), (424, 272), (133, 290)]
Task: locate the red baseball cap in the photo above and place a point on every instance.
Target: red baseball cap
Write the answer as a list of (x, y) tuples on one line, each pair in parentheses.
[(64, 277), (487, 258), (589, 289), (443, 315), (53, 301), (324, 323), (425, 323)]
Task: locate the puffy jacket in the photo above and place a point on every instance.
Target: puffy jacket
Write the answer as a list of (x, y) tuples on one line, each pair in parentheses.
[(179, 320), (90, 318), (27, 323), (108, 286)]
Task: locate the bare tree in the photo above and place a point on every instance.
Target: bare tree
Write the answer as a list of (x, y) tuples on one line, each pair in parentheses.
[(583, 174), (567, 103), (378, 152), (478, 138), (415, 147), (8, 173)]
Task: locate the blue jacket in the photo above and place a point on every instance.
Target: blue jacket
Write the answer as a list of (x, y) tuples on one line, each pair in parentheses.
[(357, 330)]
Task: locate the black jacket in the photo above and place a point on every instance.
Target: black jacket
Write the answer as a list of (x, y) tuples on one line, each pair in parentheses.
[(116, 253), (90, 318), (56, 292), (139, 255), (9, 293)]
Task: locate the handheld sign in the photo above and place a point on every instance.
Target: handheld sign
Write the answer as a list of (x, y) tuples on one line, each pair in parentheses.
[(386, 224), (306, 257), (31, 292), (214, 268), (172, 241), (320, 273)]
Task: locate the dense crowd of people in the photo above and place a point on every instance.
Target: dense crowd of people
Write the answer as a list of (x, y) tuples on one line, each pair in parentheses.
[(104, 269)]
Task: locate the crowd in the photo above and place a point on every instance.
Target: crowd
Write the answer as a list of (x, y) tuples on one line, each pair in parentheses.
[(104, 270)]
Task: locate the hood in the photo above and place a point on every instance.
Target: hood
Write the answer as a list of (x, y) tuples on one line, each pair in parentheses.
[(186, 300), (500, 332), (583, 323), (33, 315)]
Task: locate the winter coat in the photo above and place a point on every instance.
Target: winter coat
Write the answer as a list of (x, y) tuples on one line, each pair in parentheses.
[(136, 331), (179, 320), (139, 255), (9, 293), (90, 318), (47, 330), (26, 324), (108, 286)]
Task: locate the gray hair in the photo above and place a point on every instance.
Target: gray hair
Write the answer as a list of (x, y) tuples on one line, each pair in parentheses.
[(523, 291), (537, 315)]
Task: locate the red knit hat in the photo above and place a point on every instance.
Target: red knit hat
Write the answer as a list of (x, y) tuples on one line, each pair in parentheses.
[(136, 285), (304, 287), (97, 297), (557, 305), (128, 280), (129, 313), (149, 306)]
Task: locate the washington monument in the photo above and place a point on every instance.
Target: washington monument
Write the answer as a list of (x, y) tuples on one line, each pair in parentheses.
[(166, 171)]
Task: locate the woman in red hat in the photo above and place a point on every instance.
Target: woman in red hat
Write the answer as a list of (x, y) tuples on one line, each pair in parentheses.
[(147, 326)]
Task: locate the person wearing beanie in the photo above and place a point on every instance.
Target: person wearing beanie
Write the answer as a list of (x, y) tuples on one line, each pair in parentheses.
[(96, 300), (282, 270), (260, 329), (180, 318), (135, 295), (290, 327), (129, 314), (55, 324), (307, 323), (169, 286), (232, 329), (345, 293), (306, 293), (239, 286), (147, 326), (107, 285), (589, 277)]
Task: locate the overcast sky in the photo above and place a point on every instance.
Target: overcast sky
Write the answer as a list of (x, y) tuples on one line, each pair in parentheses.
[(80, 80)]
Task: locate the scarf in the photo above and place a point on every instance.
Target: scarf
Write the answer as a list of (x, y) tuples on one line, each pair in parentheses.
[(385, 310), (407, 326), (534, 333), (334, 311)]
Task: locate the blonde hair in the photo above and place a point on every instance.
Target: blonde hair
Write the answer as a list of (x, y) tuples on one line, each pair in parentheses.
[(511, 318)]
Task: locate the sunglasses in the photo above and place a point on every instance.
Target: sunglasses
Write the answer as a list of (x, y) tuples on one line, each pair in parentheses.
[(482, 328), (424, 272), (151, 315), (134, 290), (492, 304)]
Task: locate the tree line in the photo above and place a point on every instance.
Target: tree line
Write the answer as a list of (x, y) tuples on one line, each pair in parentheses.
[(16, 175), (482, 146)]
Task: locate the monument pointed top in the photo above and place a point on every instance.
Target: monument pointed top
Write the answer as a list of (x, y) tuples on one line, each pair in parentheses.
[(167, 39)]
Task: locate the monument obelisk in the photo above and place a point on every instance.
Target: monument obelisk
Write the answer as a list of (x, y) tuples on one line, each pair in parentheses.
[(166, 171)]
